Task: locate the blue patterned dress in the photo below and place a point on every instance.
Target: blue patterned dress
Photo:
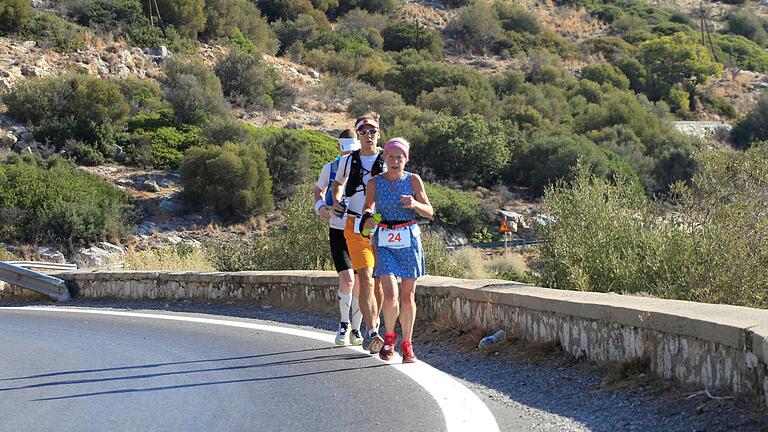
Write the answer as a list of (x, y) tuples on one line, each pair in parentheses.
[(407, 263)]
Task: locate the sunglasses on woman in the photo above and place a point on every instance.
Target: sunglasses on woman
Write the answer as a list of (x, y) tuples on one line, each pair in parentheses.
[(371, 132)]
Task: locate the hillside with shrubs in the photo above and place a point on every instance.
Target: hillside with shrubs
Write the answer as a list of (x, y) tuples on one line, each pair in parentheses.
[(628, 136)]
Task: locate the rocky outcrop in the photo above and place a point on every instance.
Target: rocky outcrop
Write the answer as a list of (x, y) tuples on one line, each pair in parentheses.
[(24, 59), (100, 255)]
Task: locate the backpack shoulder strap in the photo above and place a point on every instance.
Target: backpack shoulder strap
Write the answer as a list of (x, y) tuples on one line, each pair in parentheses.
[(378, 164), (354, 174), (334, 169)]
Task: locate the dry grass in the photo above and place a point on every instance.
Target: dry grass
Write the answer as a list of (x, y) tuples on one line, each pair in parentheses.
[(484, 265), (473, 260), (169, 258), (511, 262)]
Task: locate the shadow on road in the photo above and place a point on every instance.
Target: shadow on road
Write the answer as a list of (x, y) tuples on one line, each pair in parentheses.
[(205, 384), (156, 365), (326, 358)]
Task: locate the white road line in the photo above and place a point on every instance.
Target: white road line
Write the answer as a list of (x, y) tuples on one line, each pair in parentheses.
[(462, 409)]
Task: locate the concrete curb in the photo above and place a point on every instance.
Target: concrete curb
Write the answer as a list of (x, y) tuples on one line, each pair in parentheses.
[(703, 345)]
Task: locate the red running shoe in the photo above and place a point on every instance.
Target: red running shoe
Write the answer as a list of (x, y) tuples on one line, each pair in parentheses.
[(388, 350), (406, 350)]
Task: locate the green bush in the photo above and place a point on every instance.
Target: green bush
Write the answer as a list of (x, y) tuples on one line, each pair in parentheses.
[(544, 72), (749, 25), (13, 15), (360, 20), (401, 34), (476, 26), (362, 62), (610, 47), (726, 263), (248, 82), (741, 52), (464, 149), (374, 6), (456, 101), (676, 60), (458, 209), (320, 147), (161, 148), (143, 96), (625, 108), (621, 140), (299, 30), (50, 31), (604, 73), (230, 18), (78, 107), (285, 9), (517, 18), (235, 130), (51, 201), (186, 15), (607, 238), (553, 158), (397, 118), (338, 41), (752, 127), (233, 180), (85, 154), (414, 79), (288, 159), (193, 91), (122, 18)]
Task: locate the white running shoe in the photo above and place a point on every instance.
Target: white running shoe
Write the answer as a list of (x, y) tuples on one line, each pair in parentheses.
[(355, 338), (342, 335)]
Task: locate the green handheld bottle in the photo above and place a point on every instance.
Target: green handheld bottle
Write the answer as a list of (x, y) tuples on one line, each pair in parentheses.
[(376, 218)]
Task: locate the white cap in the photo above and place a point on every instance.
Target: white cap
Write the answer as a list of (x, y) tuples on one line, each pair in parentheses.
[(349, 144)]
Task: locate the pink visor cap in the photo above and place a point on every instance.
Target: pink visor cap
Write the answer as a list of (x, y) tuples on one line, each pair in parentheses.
[(397, 144), (367, 121)]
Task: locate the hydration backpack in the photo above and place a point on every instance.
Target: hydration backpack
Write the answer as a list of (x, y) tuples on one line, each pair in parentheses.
[(355, 178)]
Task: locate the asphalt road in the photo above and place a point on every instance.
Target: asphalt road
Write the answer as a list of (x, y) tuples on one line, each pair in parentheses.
[(80, 371)]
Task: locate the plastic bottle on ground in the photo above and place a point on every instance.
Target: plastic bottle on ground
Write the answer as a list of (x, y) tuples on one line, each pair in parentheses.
[(492, 339)]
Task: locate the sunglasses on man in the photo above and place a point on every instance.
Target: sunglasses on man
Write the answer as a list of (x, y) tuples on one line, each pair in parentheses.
[(371, 132)]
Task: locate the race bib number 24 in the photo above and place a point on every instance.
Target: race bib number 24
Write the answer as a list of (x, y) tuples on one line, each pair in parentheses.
[(395, 238)]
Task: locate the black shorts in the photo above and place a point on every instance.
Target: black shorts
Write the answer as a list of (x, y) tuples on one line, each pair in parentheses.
[(339, 251)]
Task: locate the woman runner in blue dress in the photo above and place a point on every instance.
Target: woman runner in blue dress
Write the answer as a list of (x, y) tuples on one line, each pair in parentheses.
[(397, 196)]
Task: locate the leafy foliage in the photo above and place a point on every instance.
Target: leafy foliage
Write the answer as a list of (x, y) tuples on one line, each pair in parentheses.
[(753, 127), (458, 209), (186, 15), (77, 107), (53, 202), (231, 179), (193, 91), (13, 15), (234, 18), (248, 82), (463, 149)]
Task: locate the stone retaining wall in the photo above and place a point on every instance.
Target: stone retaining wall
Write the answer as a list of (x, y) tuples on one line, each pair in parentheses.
[(700, 345)]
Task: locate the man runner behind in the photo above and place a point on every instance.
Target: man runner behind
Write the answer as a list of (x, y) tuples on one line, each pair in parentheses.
[(349, 289)]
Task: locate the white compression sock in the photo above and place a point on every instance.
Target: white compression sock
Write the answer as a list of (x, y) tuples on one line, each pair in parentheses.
[(357, 316), (345, 301)]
